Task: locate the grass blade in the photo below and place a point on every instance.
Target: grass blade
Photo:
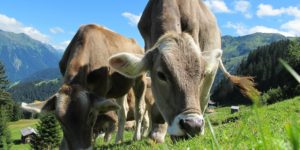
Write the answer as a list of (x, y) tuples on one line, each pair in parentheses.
[(213, 133), (290, 69)]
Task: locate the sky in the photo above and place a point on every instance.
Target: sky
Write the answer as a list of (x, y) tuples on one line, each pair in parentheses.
[(55, 22)]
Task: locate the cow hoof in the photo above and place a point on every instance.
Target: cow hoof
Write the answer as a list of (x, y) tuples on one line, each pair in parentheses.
[(157, 137), (118, 142), (137, 138)]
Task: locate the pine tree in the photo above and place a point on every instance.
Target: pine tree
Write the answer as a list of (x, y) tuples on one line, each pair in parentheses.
[(5, 97), (5, 139), (49, 135), (16, 112), (3, 78)]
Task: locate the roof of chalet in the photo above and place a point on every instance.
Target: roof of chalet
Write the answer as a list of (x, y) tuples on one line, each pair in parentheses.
[(28, 131)]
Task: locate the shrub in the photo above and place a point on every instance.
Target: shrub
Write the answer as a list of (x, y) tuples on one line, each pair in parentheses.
[(272, 96), (5, 139), (48, 133)]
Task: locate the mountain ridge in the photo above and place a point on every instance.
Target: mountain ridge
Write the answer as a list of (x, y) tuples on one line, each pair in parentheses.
[(22, 55)]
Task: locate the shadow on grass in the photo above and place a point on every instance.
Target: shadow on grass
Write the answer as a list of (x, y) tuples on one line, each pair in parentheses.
[(230, 119), (112, 146), (122, 145), (17, 142)]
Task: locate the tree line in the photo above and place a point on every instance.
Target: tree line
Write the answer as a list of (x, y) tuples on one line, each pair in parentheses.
[(272, 79), (49, 132), (9, 110), (35, 90)]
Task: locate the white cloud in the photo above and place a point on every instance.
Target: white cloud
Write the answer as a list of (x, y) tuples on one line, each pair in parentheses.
[(293, 26), (56, 30), (243, 30), (240, 28), (264, 29), (62, 45), (217, 6), (12, 25), (268, 10), (133, 19), (243, 6)]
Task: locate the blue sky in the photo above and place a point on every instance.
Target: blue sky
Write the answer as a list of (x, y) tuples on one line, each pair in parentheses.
[(55, 22)]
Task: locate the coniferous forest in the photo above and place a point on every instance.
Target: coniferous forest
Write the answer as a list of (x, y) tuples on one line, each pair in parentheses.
[(271, 78)]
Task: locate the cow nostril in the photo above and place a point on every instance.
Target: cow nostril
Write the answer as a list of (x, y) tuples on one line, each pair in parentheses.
[(192, 126), (182, 123)]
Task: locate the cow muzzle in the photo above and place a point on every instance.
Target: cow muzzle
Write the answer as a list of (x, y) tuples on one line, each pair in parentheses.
[(186, 126)]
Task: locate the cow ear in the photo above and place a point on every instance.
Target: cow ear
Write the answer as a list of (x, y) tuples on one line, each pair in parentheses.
[(105, 105), (38, 107), (129, 65), (211, 59)]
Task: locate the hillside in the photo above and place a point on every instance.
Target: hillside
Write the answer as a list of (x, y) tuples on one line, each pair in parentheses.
[(23, 56), (45, 74), (263, 64), (35, 90), (237, 48)]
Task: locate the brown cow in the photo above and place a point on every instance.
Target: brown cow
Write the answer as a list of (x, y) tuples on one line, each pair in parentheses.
[(183, 46), (85, 63), (76, 109)]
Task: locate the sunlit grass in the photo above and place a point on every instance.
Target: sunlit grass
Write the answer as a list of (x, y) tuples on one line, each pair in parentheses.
[(15, 128), (267, 127), (274, 126)]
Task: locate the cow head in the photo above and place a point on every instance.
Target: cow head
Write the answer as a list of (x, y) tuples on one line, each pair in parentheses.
[(177, 69), (77, 111)]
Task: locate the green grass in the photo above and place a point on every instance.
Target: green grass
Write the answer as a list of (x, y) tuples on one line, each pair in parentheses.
[(15, 128), (272, 127)]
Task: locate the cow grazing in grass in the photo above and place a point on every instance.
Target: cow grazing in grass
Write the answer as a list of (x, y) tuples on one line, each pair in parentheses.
[(183, 47), (77, 110), (85, 63)]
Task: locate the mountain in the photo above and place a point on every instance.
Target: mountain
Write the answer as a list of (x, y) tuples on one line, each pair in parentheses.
[(45, 74), (35, 90), (23, 56), (237, 48), (272, 79)]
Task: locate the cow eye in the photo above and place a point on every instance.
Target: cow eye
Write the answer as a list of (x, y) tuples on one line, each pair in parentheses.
[(161, 76)]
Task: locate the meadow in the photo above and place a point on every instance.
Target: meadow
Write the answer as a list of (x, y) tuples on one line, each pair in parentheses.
[(275, 127), (15, 128)]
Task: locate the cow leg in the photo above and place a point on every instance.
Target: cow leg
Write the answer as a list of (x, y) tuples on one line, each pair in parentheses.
[(146, 123), (107, 137), (158, 132), (122, 115), (139, 91), (109, 132)]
